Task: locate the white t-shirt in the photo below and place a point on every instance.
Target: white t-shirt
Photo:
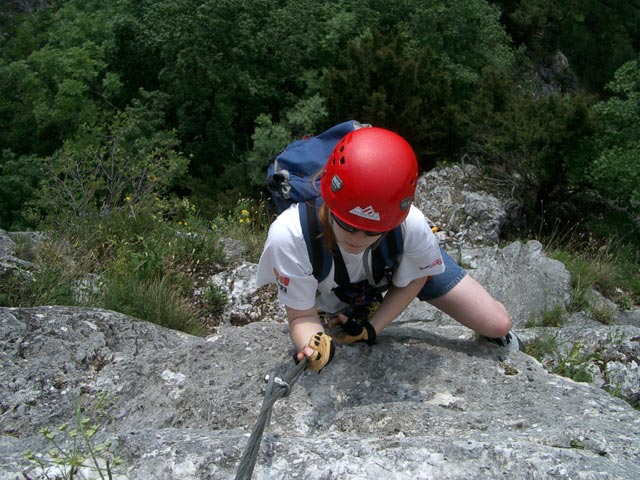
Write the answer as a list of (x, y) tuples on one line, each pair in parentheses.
[(285, 262)]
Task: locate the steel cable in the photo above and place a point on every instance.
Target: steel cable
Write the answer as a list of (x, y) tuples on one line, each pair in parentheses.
[(278, 386)]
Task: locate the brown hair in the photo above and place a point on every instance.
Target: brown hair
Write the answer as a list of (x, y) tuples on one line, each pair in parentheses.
[(324, 215)]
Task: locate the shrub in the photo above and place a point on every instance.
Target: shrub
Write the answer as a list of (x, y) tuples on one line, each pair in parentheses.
[(575, 364), (107, 167), (615, 170), (247, 221), (215, 298), (132, 260), (19, 180)]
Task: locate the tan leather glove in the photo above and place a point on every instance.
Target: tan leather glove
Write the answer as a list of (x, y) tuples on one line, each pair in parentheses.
[(323, 350), (353, 331)]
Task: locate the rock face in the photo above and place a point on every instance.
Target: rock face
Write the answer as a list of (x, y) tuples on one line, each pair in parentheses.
[(468, 215), (427, 401), (520, 276)]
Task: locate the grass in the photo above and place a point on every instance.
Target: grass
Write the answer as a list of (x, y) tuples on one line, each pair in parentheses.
[(145, 261), (574, 364), (214, 298), (246, 221), (163, 301), (605, 263), (51, 283), (553, 317), (542, 346), (602, 257)]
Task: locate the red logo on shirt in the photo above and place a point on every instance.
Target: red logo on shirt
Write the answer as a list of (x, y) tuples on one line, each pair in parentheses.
[(433, 264), (281, 279)]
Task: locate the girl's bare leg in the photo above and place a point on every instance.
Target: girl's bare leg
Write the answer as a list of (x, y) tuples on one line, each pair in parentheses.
[(471, 305)]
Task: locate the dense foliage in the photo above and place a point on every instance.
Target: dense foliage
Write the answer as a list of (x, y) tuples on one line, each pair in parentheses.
[(104, 105)]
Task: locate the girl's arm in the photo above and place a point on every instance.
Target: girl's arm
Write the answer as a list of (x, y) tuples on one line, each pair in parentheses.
[(303, 324), (395, 302)]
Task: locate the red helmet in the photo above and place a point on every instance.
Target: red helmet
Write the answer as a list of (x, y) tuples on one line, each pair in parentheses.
[(370, 179)]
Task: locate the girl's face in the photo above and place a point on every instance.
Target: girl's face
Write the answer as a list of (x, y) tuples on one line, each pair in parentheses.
[(353, 242)]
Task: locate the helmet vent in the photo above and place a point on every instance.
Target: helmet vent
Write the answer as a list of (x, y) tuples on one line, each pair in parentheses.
[(341, 160)]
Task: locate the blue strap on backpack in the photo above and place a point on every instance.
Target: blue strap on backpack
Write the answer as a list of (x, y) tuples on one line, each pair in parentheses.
[(293, 176)]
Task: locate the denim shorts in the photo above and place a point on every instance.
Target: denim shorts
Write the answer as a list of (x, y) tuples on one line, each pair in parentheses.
[(440, 284)]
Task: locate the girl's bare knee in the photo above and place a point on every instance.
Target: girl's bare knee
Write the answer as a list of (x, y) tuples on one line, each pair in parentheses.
[(502, 322)]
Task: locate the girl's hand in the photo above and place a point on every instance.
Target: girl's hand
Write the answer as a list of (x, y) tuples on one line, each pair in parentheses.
[(319, 352), (305, 352), (338, 320), (353, 331)]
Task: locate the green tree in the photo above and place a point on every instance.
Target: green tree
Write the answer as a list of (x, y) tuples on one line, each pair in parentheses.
[(464, 36), (59, 84), (597, 37), (224, 63), (532, 144), (105, 167), (378, 82), (615, 170), (269, 138), (19, 180), (416, 72)]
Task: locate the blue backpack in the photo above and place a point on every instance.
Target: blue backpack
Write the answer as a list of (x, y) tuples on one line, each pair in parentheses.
[(293, 176)]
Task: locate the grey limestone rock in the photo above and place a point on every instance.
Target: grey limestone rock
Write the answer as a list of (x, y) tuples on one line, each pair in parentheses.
[(467, 214), (422, 403)]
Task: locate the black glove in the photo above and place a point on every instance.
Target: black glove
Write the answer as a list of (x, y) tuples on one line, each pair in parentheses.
[(324, 348), (353, 331)]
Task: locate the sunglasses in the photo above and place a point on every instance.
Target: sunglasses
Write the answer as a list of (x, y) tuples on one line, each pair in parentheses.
[(348, 228)]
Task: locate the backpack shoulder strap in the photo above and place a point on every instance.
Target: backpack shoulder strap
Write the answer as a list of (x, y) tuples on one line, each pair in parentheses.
[(321, 259), (385, 256)]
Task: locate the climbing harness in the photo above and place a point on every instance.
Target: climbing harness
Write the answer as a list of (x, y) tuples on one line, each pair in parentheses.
[(278, 386)]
